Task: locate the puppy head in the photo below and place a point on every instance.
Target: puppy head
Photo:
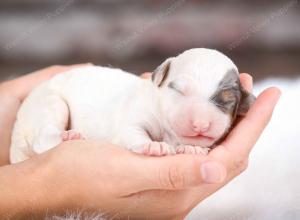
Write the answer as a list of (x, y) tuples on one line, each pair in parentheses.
[(201, 95)]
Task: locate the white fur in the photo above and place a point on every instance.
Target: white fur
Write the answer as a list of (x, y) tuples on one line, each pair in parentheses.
[(77, 216), (110, 104), (99, 102), (270, 188)]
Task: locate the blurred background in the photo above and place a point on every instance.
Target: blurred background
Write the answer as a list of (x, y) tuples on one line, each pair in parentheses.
[(262, 37)]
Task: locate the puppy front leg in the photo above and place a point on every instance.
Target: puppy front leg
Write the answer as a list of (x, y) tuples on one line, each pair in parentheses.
[(189, 149), (137, 140)]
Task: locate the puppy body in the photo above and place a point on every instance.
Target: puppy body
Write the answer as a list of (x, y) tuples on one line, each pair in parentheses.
[(189, 105), (100, 103)]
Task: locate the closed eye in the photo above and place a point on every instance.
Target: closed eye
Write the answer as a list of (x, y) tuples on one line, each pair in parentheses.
[(175, 87)]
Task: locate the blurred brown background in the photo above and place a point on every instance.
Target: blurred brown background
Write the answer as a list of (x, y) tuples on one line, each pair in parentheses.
[(262, 37)]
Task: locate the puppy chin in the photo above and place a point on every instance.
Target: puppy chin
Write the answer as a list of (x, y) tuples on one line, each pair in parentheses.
[(198, 141)]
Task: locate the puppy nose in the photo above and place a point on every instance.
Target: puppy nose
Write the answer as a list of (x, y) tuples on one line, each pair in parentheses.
[(201, 127)]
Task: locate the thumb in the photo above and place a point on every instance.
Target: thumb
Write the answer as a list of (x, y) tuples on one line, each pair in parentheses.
[(178, 172)]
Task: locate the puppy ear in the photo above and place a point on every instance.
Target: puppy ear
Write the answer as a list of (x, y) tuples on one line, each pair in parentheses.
[(160, 73), (246, 101)]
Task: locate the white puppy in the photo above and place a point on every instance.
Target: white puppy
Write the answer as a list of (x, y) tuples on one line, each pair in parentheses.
[(188, 106)]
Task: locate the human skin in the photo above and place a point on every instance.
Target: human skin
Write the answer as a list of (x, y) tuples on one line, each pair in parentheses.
[(92, 176)]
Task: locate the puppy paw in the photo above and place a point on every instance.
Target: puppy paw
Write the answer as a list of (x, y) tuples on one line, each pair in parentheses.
[(158, 149), (188, 149), (71, 135)]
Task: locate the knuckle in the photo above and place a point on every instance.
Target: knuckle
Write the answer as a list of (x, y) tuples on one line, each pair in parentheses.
[(174, 178), (240, 164), (237, 163)]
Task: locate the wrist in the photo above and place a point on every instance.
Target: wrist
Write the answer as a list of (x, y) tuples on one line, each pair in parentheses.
[(30, 189)]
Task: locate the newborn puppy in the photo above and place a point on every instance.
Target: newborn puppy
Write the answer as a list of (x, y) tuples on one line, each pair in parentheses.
[(188, 106)]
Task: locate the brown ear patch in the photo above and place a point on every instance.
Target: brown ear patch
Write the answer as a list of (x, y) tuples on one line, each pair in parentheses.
[(227, 95), (230, 97), (247, 99), (160, 74)]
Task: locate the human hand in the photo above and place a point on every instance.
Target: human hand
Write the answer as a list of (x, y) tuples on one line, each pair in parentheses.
[(12, 93), (120, 183), (158, 188)]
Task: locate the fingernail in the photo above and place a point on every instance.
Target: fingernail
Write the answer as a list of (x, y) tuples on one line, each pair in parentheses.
[(212, 172)]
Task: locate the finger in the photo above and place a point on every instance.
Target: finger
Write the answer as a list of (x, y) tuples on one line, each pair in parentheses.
[(79, 65), (44, 74), (246, 81), (242, 138), (146, 75), (176, 172)]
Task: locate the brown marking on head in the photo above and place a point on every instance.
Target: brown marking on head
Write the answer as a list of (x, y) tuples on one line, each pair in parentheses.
[(232, 99), (160, 74)]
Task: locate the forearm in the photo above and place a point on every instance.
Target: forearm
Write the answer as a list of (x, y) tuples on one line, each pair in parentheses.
[(28, 191)]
